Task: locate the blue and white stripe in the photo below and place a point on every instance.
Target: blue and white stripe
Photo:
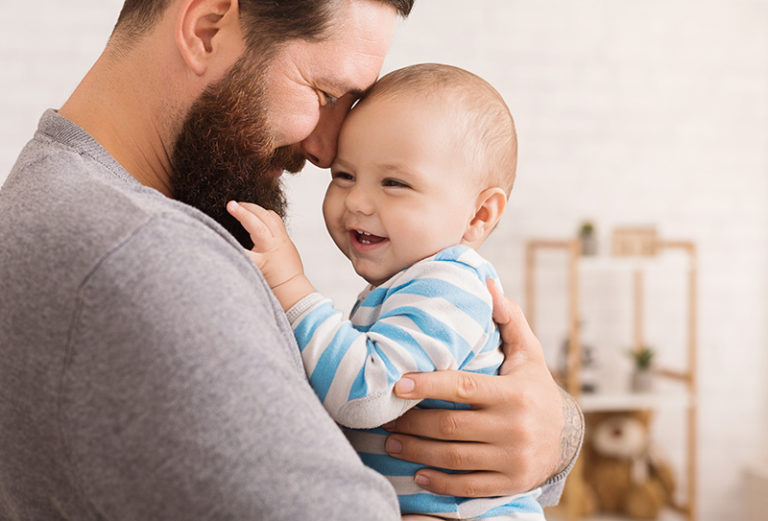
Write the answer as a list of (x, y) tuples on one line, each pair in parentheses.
[(436, 314)]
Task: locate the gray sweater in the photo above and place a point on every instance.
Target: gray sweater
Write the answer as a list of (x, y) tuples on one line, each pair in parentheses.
[(146, 371)]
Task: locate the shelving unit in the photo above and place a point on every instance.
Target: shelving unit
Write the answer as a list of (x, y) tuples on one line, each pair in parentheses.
[(684, 398)]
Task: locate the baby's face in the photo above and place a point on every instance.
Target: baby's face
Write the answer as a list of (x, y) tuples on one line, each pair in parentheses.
[(401, 187)]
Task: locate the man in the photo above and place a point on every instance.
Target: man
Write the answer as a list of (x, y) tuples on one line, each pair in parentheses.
[(147, 373)]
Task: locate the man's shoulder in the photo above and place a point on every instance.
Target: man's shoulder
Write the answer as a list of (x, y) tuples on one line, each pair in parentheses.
[(69, 218), (170, 248), (82, 206)]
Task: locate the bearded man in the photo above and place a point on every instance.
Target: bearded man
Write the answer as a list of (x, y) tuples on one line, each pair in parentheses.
[(147, 371)]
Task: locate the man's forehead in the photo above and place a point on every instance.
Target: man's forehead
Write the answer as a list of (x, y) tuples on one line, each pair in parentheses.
[(358, 39), (342, 71)]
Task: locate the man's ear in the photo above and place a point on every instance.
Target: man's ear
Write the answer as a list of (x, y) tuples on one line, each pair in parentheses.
[(489, 206), (199, 29)]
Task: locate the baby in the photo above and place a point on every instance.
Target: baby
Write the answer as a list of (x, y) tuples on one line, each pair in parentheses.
[(425, 163)]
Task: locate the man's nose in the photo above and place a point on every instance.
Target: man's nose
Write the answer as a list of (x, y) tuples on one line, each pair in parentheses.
[(320, 146)]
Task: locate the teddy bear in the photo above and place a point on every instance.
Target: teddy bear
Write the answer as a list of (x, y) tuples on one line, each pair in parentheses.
[(623, 471)]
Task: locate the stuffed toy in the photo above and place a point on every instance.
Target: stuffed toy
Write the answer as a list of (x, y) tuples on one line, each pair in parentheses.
[(624, 473)]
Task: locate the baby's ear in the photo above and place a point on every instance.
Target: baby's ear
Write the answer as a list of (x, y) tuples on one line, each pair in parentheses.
[(488, 209)]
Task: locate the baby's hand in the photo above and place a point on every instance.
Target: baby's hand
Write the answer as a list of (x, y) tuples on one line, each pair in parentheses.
[(273, 252)]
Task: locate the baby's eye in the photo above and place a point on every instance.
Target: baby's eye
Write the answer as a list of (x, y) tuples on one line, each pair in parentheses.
[(394, 183), (342, 176)]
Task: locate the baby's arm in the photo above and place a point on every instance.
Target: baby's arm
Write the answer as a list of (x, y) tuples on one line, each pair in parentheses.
[(353, 372), (333, 351), (273, 252), (413, 327)]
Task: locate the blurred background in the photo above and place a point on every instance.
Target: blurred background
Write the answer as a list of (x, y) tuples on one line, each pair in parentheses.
[(643, 114)]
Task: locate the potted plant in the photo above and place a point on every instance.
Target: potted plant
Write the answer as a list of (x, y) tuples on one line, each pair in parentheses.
[(642, 375), (587, 238)]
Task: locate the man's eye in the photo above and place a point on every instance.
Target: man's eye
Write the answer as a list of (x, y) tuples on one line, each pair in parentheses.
[(327, 99)]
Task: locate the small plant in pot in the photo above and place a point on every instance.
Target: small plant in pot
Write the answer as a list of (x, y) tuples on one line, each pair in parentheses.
[(642, 374), (587, 238)]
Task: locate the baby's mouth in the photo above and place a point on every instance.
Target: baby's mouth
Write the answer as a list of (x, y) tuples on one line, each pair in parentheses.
[(367, 238)]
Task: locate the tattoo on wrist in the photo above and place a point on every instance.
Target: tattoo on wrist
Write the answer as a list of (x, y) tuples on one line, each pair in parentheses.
[(573, 428)]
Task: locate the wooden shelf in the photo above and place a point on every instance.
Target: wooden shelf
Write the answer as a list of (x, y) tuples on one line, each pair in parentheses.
[(598, 402), (664, 515), (599, 263), (682, 391)]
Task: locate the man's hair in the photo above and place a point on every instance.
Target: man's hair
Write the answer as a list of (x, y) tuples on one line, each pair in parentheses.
[(485, 124), (274, 20)]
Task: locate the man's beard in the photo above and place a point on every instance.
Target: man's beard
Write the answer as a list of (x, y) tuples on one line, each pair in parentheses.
[(225, 150)]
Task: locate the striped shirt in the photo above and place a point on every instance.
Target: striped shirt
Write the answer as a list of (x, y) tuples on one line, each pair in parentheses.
[(436, 314)]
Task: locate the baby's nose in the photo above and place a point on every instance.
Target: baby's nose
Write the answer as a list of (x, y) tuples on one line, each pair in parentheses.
[(358, 201)]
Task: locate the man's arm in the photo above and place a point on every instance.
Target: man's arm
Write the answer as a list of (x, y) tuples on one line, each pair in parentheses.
[(184, 397), (526, 430)]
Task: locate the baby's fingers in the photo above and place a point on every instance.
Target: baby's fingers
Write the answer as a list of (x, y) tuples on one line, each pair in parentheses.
[(257, 258), (250, 220), (268, 217), (255, 221)]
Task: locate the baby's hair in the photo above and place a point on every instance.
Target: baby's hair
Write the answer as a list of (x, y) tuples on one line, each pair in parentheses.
[(489, 128)]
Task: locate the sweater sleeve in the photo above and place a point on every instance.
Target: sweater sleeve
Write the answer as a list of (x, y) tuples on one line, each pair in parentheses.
[(184, 396), (435, 315)]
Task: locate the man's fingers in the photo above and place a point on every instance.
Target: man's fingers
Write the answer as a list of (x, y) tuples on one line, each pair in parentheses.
[(518, 340), (454, 455), (475, 389), (446, 424), (521, 332), (501, 312), (473, 484), (509, 317)]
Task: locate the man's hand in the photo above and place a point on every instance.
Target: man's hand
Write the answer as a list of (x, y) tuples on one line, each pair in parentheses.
[(522, 430), (273, 252)]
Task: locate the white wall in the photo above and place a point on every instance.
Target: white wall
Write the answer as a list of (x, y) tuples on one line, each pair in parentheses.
[(45, 48), (628, 112)]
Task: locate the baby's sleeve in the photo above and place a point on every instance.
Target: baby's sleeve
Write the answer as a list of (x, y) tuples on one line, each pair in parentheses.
[(436, 317)]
